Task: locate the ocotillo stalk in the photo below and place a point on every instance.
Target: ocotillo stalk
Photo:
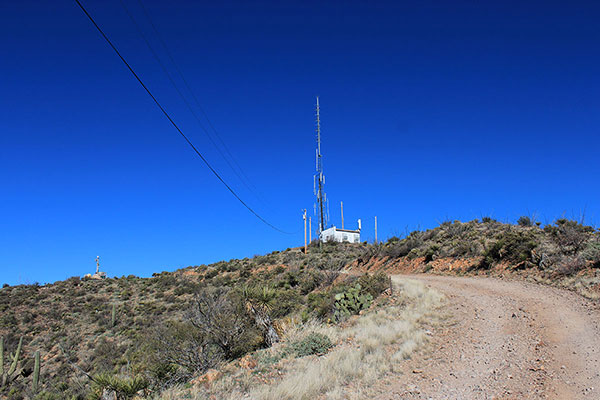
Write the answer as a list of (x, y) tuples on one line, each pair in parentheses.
[(36, 372), (1, 356), (13, 366)]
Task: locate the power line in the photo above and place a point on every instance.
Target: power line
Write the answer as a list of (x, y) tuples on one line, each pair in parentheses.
[(173, 122), (185, 82), (189, 106)]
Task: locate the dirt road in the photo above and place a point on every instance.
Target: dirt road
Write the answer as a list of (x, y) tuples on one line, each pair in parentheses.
[(506, 340)]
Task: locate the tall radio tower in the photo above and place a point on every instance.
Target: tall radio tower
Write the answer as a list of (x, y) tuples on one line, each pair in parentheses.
[(320, 180)]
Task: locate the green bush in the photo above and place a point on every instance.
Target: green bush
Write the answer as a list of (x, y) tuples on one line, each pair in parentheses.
[(374, 284), (285, 301), (570, 236), (525, 221), (321, 303), (511, 246), (211, 274), (430, 253), (592, 253), (395, 249), (310, 281), (314, 343)]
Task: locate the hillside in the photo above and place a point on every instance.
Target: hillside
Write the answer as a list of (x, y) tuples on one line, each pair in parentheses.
[(72, 324), (145, 335), (565, 254)]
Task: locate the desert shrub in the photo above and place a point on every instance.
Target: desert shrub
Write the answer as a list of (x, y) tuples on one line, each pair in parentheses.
[(285, 302), (170, 298), (320, 303), (246, 272), (592, 253), (570, 265), (459, 248), (525, 221), (403, 247), (261, 260), (222, 267), (290, 279), (106, 354), (311, 280), (280, 269), (211, 274), (329, 277), (454, 229), (8, 320), (185, 287), (73, 281), (220, 316), (47, 396), (165, 281), (329, 263), (313, 343), (223, 280), (374, 284), (511, 246), (292, 258), (430, 253), (176, 351), (570, 236)]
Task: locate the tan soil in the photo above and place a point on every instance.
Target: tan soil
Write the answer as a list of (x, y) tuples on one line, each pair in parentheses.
[(504, 340)]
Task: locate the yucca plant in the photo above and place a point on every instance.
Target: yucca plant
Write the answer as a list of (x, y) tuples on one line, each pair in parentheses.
[(123, 388), (259, 301)]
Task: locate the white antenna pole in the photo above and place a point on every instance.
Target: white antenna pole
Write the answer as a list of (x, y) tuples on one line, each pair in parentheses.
[(97, 264), (342, 206), (309, 230), (376, 229), (304, 218)]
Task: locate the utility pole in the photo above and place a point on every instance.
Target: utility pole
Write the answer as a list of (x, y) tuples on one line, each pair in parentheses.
[(305, 246), (342, 205), (376, 229), (319, 192)]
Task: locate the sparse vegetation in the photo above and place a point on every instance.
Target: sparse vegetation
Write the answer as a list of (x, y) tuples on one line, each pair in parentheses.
[(168, 328), (367, 348), (176, 326)]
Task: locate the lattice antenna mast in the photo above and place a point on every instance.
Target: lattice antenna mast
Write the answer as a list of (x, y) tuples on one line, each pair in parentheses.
[(319, 177)]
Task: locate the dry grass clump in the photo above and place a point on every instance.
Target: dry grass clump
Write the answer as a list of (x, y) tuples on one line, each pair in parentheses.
[(368, 347)]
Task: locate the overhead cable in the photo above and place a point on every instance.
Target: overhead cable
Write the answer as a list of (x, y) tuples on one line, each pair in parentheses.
[(166, 114)]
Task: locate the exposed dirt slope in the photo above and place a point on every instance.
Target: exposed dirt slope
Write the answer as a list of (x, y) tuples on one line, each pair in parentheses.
[(506, 340)]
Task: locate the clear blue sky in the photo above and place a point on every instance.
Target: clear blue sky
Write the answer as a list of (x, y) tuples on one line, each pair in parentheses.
[(430, 111)]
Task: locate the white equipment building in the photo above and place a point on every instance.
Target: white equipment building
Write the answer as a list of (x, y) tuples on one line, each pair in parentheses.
[(334, 234)]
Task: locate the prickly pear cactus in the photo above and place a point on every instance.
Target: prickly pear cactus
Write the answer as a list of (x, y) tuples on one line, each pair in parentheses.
[(351, 302)]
